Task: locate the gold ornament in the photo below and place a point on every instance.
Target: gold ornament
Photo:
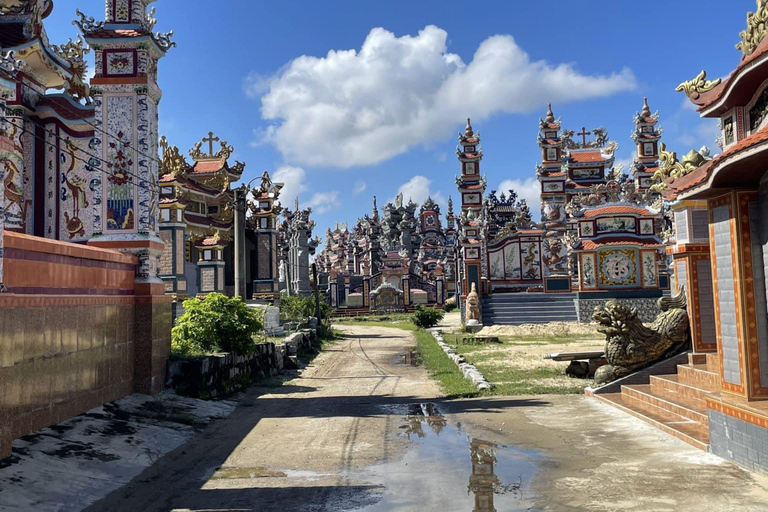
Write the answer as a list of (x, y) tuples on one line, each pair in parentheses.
[(757, 26), (694, 88)]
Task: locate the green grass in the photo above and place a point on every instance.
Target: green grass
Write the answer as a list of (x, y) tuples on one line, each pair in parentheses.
[(441, 368)]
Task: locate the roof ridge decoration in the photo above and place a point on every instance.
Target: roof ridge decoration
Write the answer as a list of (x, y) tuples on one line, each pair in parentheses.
[(173, 161), (670, 167), (73, 53), (9, 64), (693, 88), (757, 28), (223, 154)]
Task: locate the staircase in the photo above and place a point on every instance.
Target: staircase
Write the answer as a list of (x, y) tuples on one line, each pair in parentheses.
[(672, 402), (528, 308)]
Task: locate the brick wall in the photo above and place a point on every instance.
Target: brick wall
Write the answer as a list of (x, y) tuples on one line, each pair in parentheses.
[(166, 258), (71, 336)]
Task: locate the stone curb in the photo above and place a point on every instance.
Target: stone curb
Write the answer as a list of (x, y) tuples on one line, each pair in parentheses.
[(468, 370)]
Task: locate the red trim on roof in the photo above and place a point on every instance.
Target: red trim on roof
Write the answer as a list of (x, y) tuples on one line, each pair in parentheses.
[(611, 210)]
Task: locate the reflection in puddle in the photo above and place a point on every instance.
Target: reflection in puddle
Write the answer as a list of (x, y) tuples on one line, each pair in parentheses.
[(446, 469)]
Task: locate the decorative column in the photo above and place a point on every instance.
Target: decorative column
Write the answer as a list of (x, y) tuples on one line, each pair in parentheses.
[(8, 69), (210, 266), (264, 213), (125, 201)]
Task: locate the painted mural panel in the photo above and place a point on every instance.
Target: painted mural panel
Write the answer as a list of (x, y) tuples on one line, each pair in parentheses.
[(51, 181), (11, 152), (581, 174), (531, 256), (120, 184), (555, 254), (646, 226), (615, 225), (496, 259), (649, 269), (76, 186), (587, 271), (28, 143), (618, 268), (553, 209), (512, 268)]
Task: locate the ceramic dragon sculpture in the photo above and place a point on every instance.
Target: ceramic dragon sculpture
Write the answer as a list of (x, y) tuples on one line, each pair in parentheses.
[(631, 346)]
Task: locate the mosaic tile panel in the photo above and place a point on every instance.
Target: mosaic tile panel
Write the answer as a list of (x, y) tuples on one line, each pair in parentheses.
[(120, 165), (120, 63), (75, 189), (649, 269), (51, 180), (28, 143), (96, 164), (13, 181), (725, 283)]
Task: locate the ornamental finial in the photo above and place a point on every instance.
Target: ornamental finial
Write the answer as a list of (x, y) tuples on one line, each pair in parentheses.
[(646, 109), (550, 115), (468, 132)]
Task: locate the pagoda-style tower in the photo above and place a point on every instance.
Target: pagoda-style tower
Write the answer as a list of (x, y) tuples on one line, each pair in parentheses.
[(647, 137), (263, 220), (550, 173), (450, 249), (471, 184), (125, 97)]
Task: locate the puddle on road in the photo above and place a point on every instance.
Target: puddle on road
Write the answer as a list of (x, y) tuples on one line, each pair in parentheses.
[(447, 469)]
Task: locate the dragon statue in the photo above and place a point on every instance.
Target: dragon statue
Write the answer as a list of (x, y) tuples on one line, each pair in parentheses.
[(631, 346)]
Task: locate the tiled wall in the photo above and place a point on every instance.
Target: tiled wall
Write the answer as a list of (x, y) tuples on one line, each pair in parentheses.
[(73, 334), (706, 302), (758, 270), (739, 441), (727, 298)]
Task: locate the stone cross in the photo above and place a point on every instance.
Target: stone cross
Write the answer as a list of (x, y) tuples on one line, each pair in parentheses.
[(210, 140), (583, 135)]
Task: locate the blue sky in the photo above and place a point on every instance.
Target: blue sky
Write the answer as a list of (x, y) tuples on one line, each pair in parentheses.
[(381, 112)]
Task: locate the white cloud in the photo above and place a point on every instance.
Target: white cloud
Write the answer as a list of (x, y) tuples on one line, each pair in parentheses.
[(294, 179), (417, 189), (322, 202), (255, 84), (530, 190), (399, 92), (360, 186), (702, 133)]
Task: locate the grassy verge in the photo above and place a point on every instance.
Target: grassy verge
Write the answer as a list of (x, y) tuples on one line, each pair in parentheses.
[(515, 365)]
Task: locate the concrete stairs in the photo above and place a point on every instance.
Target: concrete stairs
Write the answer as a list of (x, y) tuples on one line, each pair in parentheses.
[(673, 402), (528, 308)]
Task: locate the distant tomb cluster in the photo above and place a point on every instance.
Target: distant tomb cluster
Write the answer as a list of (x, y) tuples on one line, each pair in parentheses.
[(603, 232)]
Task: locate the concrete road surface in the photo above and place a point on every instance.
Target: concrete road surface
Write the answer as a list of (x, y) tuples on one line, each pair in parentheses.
[(361, 430)]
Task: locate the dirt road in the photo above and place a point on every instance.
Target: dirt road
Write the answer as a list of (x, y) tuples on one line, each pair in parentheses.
[(360, 430)]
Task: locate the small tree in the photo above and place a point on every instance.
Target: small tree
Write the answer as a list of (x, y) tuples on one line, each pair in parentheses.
[(427, 317), (215, 323)]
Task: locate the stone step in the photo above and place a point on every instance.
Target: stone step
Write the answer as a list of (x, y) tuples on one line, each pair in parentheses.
[(694, 358), (686, 430), (529, 318), (529, 308), (689, 409), (713, 363), (670, 388), (698, 376)]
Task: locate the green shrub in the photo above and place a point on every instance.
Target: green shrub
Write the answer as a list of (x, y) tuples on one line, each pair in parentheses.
[(427, 317), (216, 323), (296, 308), (449, 307)]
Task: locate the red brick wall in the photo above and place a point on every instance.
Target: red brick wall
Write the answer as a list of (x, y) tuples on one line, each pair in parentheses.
[(72, 329)]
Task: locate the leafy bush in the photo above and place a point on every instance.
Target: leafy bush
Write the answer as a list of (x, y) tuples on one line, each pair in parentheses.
[(298, 308), (216, 323), (427, 317)]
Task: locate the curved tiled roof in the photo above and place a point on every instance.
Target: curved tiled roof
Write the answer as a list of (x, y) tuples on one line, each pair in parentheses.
[(588, 156), (613, 210)]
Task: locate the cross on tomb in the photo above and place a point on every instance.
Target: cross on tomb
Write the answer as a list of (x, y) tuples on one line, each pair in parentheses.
[(210, 140), (583, 135)]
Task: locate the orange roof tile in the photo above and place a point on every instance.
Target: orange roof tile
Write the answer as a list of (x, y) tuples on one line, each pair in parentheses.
[(207, 166), (590, 245), (611, 210), (588, 156)]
